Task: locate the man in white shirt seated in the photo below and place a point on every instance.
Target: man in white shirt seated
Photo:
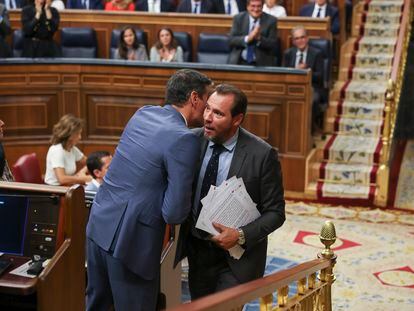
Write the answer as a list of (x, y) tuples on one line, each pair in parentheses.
[(322, 9), (97, 164)]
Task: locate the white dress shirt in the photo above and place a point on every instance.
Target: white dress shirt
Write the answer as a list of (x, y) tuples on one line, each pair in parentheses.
[(154, 6), (316, 9), (304, 53), (276, 10), (233, 5)]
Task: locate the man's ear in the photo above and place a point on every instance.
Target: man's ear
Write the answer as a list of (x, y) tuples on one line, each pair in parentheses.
[(237, 120), (194, 97), (97, 173)]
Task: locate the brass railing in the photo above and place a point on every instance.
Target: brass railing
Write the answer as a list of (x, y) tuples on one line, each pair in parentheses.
[(392, 99), (314, 281)]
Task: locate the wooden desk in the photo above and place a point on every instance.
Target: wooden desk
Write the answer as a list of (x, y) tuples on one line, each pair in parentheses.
[(15, 284), (103, 22), (33, 96)]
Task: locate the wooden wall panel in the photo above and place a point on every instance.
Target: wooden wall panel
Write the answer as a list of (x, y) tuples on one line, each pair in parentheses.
[(106, 95)]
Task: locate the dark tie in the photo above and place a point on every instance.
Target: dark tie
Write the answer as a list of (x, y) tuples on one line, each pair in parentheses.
[(300, 58), (319, 12), (195, 8), (229, 8), (210, 176), (250, 47)]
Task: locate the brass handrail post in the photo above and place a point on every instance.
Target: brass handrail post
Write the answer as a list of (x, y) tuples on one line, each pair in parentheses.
[(327, 237)]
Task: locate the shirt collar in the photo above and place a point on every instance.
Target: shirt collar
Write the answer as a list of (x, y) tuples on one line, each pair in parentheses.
[(323, 7), (229, 144), (251, 20), (96, 183)]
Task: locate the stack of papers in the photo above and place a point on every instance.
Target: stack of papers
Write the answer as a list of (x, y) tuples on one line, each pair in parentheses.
[(229, 205)]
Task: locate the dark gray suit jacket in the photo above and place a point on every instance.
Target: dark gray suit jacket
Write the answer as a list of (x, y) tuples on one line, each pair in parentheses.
[(265, 48), (314, 61), (257, 163)]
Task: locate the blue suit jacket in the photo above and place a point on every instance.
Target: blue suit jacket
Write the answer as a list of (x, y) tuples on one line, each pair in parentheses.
[(331, 11), (206, 7), (148, 184), (77, 4)]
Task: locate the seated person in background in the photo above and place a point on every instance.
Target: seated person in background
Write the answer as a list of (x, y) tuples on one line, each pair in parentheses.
[(5, 30), (253, 37), (322, 9), (5, 173), (155, 6), (166, 49), (58, 5), (120, 5), (97, 164), (196, 7), (129, 47), (39, 23), (303, 56), (271, 7), (65, 163), (13, 4), (229, 7), (84, 4)]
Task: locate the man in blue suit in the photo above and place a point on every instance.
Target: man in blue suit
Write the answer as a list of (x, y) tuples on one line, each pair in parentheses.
[(322, 9), (13, 4), (85, 4), (148, 184)]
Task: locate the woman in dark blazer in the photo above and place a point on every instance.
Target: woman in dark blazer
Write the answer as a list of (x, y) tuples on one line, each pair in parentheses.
[(40, 21)]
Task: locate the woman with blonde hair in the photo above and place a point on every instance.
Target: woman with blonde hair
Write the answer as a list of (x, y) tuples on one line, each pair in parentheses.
[(65, 163)]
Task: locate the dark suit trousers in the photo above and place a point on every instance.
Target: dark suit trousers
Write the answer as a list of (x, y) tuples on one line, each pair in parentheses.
[(111, 283), (209, 271)]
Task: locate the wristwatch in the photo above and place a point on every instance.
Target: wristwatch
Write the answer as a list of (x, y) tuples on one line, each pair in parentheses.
[(242, 239)]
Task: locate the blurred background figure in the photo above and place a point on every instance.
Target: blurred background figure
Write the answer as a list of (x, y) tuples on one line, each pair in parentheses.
[(58, 5), (5, 173), (84, 4), (97, 164), (129, 48), (166, 49), (229, 7), (65, 163), (120, 5), (13, 4), (155, 6), (322, 9), (40, 21), (273, 8), (5, 30), (196, 7)]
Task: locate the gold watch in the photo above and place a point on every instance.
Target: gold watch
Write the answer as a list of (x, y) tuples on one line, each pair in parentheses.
[(242, 239)]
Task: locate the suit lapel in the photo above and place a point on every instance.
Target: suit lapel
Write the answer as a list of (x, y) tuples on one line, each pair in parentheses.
[(239, 155)]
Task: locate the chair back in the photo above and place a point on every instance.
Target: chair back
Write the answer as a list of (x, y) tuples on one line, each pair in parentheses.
[(17, 45), (27, 169), (213, 48), (78, 42), (141, 36), (185, 41), (324, 45)]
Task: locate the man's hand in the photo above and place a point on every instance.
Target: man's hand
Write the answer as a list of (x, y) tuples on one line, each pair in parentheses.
[(254, 34), (302, 66), (227, 236)]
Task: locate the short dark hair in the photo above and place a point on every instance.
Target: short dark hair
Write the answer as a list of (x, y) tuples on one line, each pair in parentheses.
[(182, 83), (239, 101), (94, 161), (248, 1)]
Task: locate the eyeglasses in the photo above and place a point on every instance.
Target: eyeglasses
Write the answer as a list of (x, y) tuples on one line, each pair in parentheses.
[(299, 38)]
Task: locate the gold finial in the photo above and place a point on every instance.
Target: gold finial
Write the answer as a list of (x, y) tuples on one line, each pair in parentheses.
[(328, 237)]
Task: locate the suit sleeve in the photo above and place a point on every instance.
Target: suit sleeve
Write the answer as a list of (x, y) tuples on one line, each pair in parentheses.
[(236, 34), (335, 21), (268, 38), (272, 202), (286, 59), (180, 162)]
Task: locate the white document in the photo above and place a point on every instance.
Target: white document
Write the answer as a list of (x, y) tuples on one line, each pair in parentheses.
[(22, 270), (229, 205)]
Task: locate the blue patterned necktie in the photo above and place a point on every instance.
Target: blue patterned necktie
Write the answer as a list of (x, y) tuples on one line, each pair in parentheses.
[(210, 175), (195, 11), (228, 7), (250, 47), (319, 12)]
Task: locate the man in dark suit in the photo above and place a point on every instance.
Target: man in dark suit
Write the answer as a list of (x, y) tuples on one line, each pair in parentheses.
[(85, 4), (196, 7), (242, 154), (303, 56), (155, 6), (13, 4), (253, 37), (148, 184), (230, 7), (322, 9)]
